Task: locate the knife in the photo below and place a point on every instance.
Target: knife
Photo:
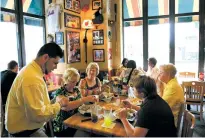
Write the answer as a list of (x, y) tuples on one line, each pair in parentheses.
[(87, 119)]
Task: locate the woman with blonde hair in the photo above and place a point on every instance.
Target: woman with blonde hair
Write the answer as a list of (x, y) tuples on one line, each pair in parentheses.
[(173, 92), (91, 85), (69, 91)]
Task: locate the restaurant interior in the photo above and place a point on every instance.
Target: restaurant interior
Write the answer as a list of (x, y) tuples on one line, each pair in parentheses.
[(121, 40)]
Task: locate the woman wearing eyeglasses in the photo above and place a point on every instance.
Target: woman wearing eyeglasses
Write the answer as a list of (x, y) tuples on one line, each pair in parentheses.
[(74, 100), (173, 93)]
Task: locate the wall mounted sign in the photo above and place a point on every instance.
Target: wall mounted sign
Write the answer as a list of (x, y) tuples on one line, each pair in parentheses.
[(72, 21), (72, 5), (73, 46), (98, 37)]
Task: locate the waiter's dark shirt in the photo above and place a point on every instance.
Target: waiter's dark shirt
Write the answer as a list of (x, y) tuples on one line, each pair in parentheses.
[(156, 115), (7, 78)]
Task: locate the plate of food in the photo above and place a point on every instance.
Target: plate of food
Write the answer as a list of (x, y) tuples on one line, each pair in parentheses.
[(135, 101), (105, 96), (86, 108), (131, 114)]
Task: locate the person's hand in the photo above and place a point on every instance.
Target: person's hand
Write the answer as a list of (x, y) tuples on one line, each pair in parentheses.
[(91, 98), (123, 114), (62, 100), (127, 104)]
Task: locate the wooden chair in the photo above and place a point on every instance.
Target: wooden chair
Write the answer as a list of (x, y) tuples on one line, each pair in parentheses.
[(181, 111), (194, 92), (49, 128), (187, 74), (188, 124)]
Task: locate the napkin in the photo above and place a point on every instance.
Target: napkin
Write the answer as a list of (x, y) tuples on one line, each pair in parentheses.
[(110, 127)]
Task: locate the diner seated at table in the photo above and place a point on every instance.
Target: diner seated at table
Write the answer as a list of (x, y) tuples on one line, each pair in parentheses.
[(122, 67), (90, 85), (68, 90), (153, 72), (173, 93), (154, 118), (131, 73)]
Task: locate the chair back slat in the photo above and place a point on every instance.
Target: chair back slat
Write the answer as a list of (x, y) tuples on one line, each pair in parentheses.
[(188, 124), (194, 90)]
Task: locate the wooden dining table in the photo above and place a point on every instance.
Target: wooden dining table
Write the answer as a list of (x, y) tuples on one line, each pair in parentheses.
[(118, 130)]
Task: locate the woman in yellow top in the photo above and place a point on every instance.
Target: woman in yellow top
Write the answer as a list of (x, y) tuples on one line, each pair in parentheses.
[(123, 67), (173, 93), (90, 85)]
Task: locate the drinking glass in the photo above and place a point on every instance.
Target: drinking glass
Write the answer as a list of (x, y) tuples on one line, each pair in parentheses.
[(94, 113), (107, 117)]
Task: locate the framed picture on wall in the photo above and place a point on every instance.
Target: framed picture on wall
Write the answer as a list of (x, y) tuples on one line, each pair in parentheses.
[(59, 38), (73, 46), (98, 55), (72, 21), (96, 4), (98, 37), (72, 5)]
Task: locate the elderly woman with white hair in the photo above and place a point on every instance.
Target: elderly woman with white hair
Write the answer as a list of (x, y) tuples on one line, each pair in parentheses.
[(173, 92), (91, 85), (69, 91)]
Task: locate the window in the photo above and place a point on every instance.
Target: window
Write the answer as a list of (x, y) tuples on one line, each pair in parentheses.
[(8, 4), (9, 41), (33, 30), (132, 8), (133, 41), (186, 6), (33, 6), (158, 7), (187, 43), (158, 35), (23, 38), (173, 35)]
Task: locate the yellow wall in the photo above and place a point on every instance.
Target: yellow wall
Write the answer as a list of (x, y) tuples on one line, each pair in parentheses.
[(115, 44)]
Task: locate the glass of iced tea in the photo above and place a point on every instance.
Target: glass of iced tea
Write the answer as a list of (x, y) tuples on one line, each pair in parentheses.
[(94, 113)]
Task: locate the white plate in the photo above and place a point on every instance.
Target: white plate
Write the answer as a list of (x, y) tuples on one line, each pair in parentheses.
[(133, 112), (87, 108)]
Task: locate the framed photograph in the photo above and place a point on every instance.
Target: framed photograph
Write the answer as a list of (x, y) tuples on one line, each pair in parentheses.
[(98, 37), (59, 38), (98, 55), (72, 21), (96, 4), (72, 5), (73, 46)]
